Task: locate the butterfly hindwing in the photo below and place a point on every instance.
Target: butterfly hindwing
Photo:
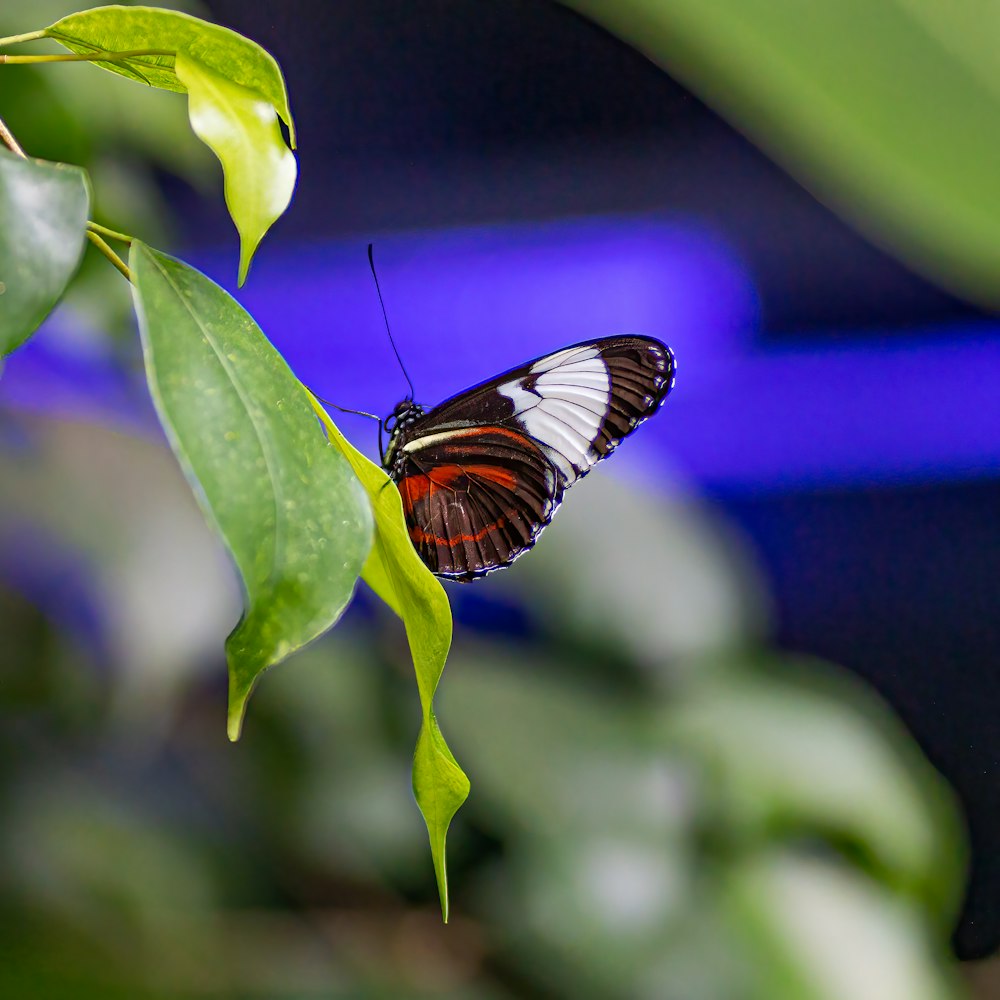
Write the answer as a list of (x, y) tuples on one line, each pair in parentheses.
[(475, 498), (482, 473)]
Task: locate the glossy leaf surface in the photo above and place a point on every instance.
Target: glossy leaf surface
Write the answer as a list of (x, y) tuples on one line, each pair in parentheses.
[(286, 503), (125, 29), (43, 217), (243, 132)]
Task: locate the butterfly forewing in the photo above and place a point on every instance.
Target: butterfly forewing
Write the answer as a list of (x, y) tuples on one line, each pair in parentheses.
[(482, 474)]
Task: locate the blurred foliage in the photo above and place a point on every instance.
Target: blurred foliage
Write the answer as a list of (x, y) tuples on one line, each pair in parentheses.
[(663, 808), (717, 823), (887, 111), (125, 136)]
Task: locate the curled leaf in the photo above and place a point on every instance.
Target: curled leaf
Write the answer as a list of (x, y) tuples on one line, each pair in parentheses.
[(243, 132), (396, 573), (126, 29)]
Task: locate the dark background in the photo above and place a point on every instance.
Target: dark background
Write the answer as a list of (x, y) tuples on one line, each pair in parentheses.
[(417, 114)]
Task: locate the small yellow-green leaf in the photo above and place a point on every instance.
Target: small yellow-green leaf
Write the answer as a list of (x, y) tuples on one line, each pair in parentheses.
[(243, 132), (126, 29), (396, 573), (284, 500), (43, 218)]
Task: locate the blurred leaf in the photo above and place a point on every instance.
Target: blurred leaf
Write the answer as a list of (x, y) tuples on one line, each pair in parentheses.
[(334, 794), (396, 573), (599, 884), (123, 29), (599, 774), (242, 131), (117, 883), (670, 583), (887, 111), (43, 216), (35, 111), (599, 910), (781, 757), (70, 835), (109, 516), (820, 931), (288, 506)]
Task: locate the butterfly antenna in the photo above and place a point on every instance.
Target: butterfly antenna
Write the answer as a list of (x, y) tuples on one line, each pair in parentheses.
[(346, 409), (360, 413), (395, 350)]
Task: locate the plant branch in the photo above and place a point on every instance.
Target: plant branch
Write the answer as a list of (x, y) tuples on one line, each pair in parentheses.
[(109, 253), (7, 138), (110, 233), (88, 57), (27, 37)]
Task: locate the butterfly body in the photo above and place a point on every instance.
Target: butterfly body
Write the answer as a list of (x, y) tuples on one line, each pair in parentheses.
[(482, 473)]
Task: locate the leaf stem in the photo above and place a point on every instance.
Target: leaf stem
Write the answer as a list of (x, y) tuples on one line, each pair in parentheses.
[(109, 253), (87, 57), (110, 233), (29, 36), (7, 137)]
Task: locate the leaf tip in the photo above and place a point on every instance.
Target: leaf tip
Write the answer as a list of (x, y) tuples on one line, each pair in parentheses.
[(245, 254), (239, 695), (441, 875), (234, 725)]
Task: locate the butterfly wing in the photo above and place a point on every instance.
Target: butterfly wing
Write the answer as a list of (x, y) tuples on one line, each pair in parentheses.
[(482, 473), (477, 499)]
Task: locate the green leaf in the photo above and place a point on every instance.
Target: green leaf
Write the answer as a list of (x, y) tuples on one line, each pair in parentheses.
[(242, 131), (234, 89), (396, 573), (886, 111), (818, 755), (818, 930), (124, 29), (43, 218), (286, 503)]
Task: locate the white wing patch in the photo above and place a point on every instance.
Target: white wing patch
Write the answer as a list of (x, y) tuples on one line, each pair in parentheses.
[(564, 407)]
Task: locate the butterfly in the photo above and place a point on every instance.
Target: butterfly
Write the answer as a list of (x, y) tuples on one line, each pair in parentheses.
[(482, 473)]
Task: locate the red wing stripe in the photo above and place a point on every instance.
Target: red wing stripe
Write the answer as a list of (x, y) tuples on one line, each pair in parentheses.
[(420, 536), (493, 473), (423, 486), (420, 487)]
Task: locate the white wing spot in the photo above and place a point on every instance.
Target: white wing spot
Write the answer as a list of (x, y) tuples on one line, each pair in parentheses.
[(565, 406)]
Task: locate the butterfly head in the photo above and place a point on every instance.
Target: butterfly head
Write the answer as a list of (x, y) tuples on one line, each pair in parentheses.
[(405, 414)]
